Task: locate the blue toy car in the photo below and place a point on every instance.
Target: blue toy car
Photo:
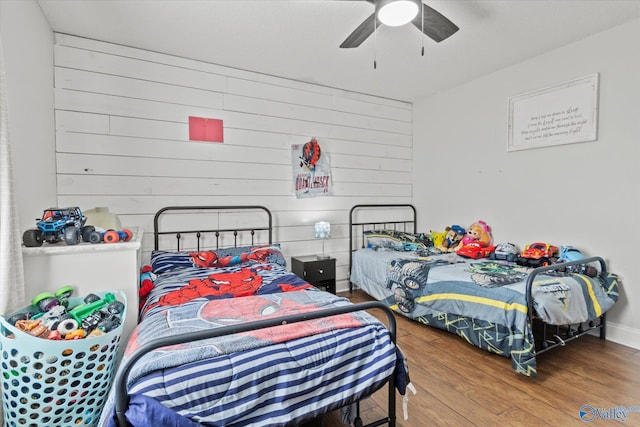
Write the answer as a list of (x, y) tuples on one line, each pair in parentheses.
[(59, 224), (569, 253)]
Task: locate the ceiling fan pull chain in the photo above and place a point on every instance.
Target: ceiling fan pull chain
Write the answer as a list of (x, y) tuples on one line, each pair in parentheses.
[(375, 43), (422, 29)]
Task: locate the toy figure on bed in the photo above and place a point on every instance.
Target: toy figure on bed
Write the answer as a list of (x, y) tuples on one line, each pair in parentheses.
[(477, 232), (453, 236)]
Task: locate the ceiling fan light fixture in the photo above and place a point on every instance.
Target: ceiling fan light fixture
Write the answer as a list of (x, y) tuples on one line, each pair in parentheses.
[(395, 13)]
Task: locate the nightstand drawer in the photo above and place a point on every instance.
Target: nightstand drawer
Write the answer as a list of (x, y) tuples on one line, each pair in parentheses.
[(319, 270)]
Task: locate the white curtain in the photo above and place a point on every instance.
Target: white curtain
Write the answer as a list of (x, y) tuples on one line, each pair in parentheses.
[(11, 269)]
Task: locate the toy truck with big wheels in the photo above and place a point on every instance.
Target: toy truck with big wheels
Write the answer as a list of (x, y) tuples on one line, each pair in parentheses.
[(59, 224), (538, 254)]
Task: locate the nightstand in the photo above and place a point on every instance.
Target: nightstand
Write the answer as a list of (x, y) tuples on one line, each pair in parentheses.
[(321, 273)]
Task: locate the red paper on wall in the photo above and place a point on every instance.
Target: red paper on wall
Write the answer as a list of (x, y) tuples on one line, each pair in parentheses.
[(203, 129)]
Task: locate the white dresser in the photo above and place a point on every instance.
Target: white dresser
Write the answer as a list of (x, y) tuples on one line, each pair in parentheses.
[(88, 268)]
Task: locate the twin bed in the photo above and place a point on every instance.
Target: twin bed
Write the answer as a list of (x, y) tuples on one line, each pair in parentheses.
[(498, 306), (229, 337)]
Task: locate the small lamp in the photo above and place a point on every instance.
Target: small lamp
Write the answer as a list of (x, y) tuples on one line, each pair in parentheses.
[(322, 230), (395, 13)]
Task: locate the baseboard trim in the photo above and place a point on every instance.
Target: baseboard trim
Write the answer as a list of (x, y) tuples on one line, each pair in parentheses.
[(623, 335)]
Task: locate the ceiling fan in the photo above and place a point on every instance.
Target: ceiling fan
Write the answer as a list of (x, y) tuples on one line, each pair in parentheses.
[(426, 19)]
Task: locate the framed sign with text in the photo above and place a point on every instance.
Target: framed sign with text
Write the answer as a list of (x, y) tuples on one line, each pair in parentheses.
[(560, 114)]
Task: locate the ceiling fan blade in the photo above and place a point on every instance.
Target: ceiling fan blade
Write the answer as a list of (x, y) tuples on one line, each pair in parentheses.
[(361, 33), (435, 24)]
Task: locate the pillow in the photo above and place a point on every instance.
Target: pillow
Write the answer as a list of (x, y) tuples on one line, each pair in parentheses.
[(163, 261), (268, 254), (397, 240)]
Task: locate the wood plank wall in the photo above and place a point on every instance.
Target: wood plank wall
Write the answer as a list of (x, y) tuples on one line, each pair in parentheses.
[(122, 142)]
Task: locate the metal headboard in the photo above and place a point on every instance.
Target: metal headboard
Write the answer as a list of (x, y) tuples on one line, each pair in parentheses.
[(266, 225), (409, 224)]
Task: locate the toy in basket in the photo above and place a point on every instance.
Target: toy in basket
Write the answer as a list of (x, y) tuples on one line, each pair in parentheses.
[(58, 381), (54, 319)]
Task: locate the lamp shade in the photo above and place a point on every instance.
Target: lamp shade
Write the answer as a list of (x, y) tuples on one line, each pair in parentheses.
[(397, 12), (322, 230)]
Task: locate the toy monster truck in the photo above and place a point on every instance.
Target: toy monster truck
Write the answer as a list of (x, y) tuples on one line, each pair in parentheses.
[(538, 254), (59, 224)]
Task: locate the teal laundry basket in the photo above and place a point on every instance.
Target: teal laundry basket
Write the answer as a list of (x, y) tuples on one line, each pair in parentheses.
[(56, 383)]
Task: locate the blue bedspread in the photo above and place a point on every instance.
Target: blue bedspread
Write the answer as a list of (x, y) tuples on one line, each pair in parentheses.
[(483, 301)]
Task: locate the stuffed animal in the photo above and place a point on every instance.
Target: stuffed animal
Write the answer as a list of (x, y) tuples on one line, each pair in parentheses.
[(453, 236), (438, 237), (477, 232), (146, 284)]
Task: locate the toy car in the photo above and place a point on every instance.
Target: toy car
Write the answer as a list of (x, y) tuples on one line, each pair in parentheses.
[(46, 301), (505, 251), (58, 224), (92, 302), (476, 250), (538, 254), (570, 253)]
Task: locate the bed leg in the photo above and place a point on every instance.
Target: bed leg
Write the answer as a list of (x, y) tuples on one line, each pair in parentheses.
[(603, 326), (358, 421), (392, 401)]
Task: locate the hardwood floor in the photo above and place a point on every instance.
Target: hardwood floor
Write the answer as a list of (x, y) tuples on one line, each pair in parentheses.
[(461, 385)]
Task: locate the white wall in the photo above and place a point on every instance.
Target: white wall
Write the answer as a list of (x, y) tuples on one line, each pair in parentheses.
[(583, 194), (122, 142), (463, 172), (27, 42)]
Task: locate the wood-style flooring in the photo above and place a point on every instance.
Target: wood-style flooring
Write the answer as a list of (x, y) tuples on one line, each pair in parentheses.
[(461, 385)]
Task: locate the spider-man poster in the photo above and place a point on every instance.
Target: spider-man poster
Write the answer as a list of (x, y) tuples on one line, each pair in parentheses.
[(311, 170)]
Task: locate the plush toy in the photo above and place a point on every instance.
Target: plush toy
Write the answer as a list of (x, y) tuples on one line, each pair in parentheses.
[(438, 237), (453, 236), (146, 284), (477, 232)]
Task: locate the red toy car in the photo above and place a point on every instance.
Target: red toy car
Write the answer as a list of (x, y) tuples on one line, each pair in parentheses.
[(538, 254), (476, 250)]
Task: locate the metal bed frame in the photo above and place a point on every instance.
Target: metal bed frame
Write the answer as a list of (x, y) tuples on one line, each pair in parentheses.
[(217, 232), (546, 336), (120, 380), (357, 240)]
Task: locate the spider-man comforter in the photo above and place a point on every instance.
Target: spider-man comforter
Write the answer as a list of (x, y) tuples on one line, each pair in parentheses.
[(273, 376)]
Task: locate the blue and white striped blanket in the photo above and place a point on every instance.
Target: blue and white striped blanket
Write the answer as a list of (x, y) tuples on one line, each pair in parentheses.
[(274, 376)]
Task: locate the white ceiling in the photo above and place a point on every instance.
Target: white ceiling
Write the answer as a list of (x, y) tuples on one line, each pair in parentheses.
[(299, 39)]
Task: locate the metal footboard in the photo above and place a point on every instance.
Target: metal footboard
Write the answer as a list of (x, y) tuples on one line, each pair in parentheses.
[(120, 381), (553, 336)]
